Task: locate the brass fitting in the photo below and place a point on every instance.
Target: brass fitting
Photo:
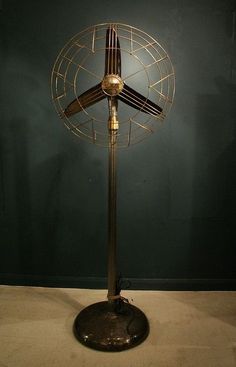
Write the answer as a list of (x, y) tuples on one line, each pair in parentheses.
[(113, 123)]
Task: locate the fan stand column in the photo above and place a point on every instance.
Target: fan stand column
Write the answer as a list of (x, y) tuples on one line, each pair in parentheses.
[(112, 198), (102, 325), (112, 233)]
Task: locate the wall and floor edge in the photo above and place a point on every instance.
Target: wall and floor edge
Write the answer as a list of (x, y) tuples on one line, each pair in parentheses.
[(129, 283)]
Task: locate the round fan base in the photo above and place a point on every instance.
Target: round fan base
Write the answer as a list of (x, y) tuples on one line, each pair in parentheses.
[(110, 326)]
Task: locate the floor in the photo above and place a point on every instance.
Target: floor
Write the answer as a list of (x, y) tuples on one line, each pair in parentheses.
[(188, 329)]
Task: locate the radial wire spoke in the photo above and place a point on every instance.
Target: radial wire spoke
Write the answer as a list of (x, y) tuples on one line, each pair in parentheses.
[(86, 99)]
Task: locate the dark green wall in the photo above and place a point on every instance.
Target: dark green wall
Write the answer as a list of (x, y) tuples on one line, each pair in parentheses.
[(177, 190)]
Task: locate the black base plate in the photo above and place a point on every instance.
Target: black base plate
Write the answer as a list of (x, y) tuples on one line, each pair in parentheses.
[(111, 326)]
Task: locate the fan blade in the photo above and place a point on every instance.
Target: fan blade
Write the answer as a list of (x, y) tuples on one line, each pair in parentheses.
[(112, 56), (86, 99), (136, 100)]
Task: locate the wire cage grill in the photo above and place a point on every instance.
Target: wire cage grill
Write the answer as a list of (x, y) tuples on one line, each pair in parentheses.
[(146, 67)]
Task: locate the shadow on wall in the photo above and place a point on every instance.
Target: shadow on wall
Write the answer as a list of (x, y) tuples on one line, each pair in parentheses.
[(21, 193), (67, 208), (29, 243), (213, 233), (53, 204), (46, 214), (54, 239)]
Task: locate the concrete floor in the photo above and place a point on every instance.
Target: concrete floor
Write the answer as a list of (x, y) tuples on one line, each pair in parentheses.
[(188, 329)]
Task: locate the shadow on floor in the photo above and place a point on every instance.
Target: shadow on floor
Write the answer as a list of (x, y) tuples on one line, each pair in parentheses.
[(214, 304)]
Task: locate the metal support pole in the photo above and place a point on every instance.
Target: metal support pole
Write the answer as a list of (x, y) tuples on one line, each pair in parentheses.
[(112, 272), (105, 325)]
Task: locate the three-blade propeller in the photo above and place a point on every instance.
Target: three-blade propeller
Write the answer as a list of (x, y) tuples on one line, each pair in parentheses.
[(112, 85)]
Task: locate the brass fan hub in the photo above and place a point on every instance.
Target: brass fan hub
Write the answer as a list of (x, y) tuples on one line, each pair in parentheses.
[(112, 85)]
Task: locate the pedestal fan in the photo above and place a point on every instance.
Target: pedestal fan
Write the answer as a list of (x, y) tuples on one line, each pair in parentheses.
[(112, 84)]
